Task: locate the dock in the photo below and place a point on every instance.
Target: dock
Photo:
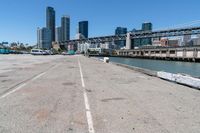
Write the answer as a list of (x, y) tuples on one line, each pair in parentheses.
[(76, 94), (165, 53)]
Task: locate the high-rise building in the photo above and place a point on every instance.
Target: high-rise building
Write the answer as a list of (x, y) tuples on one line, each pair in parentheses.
[(120, 31), (147, 26), (146, 41), (50, 21), (83, 28), (44, 38), (140, 42), (136, 42), (58, 34), (65, 28)]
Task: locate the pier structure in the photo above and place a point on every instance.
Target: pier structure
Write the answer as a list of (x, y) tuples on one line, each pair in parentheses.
[(171, 53)]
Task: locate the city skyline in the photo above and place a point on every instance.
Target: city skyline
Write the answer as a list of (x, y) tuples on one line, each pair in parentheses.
[(23, 27)]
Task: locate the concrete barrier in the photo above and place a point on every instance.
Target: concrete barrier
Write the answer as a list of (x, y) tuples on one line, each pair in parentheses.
[(180, 78), (166, 75), (188, 80)]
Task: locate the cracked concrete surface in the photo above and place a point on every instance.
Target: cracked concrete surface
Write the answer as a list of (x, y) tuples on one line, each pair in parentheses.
[(121, 100)]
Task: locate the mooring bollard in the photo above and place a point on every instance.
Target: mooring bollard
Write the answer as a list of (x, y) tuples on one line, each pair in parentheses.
[(106, 60)]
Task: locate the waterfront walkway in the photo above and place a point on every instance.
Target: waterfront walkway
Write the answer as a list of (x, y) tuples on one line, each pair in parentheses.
[(75, 94)]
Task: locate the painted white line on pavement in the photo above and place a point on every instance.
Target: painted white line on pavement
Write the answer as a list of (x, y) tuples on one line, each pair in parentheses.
[(38, 76), (82, 80), (87, 105), (21, 86), (16, 89), (24, 84)]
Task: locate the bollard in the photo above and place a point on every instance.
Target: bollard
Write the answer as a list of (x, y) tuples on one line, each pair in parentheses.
[(106, 60)]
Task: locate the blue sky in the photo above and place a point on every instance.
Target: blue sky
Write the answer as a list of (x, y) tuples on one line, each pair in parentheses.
[(20, 18)]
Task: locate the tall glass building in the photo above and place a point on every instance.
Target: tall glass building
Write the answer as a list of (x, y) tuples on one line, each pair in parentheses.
[(147, 26), (140, 42), (83, 28), (65, 28), (120, 31), (50, 21), (58, 34), (44, 38)]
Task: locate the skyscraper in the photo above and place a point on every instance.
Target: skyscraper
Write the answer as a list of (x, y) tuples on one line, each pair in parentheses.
[(83, 28), (58, 34), (65, 28), (44, 38), (147, 26), (50, 21), (120, 31)]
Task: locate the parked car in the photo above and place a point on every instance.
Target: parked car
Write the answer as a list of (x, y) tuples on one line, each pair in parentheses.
[(37, 52)]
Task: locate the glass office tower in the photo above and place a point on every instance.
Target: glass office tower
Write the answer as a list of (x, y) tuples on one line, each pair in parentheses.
[(50, 21), (83, 28), (120, 31), (65, 28), (147, 26), (44, 38)]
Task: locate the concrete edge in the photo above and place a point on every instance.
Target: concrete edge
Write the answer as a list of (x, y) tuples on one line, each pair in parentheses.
[(149, 73), (142, 70)]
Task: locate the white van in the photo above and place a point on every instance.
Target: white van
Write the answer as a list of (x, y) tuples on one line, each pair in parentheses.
[(37, 52)]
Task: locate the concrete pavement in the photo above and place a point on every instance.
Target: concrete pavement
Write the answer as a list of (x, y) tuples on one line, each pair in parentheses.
[(75, 94)]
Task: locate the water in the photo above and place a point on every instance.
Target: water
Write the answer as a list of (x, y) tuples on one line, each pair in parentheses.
[(189, 68)]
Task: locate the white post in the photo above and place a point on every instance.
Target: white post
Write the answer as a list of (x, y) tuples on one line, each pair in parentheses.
[(128, 41)]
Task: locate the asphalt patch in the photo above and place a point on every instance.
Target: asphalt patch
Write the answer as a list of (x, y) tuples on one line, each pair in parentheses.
[(88, 90), (4, 81), (68, 84), (71, 67), (3, 76)]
